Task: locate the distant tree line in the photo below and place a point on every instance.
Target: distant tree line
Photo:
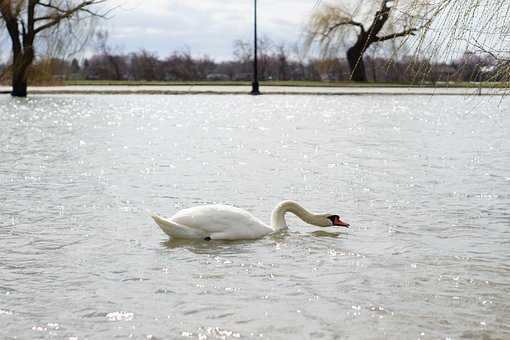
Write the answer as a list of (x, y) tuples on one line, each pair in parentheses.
[(360, 41), (276, 62)]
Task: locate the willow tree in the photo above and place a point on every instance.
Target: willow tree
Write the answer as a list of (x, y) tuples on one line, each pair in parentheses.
[(480, 28), (361, 26), (26, 20)]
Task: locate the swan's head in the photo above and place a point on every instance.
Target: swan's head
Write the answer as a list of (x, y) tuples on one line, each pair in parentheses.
[(328, 220)]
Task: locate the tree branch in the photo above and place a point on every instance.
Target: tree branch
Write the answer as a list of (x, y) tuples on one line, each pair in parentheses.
[(29, 37), (404, 33), (380, 18), (23, 33), (49, 5), (11, 23), (62, 14), (344, 23)]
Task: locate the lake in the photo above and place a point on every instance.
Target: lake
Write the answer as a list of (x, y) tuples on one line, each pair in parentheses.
[(424, 182)]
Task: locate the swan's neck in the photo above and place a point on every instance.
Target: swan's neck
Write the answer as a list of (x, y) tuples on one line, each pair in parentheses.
[(278, 217)]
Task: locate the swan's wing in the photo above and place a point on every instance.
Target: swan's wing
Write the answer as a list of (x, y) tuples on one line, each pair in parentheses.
[(176, 230), (229, 222)]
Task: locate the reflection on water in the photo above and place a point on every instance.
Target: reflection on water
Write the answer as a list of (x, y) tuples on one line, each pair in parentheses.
[(208, 247), (320, 233), (423, 181)]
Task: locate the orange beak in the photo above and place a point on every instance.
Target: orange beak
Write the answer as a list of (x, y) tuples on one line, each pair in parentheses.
[(338, 222)]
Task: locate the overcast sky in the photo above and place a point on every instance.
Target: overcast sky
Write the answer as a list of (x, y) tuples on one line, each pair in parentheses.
[(203, 26), (209, 27)]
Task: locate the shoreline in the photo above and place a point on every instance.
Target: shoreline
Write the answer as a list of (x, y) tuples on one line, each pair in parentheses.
[(265, 90)]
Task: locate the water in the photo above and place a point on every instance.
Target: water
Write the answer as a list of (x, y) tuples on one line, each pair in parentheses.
[(424, 182)]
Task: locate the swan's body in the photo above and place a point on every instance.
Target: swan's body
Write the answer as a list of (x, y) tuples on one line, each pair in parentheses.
[(223, 222)]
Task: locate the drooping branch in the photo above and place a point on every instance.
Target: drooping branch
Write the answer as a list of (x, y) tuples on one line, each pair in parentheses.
[(334, 24), (328, 23), (328, 20)]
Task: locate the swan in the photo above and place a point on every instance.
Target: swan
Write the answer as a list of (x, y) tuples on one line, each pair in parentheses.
[(224, 222)]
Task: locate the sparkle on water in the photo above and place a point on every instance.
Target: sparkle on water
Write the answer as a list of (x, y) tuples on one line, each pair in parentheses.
[(424, 182)]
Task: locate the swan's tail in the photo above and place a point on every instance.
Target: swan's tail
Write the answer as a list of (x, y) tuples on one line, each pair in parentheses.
[(175, 230)]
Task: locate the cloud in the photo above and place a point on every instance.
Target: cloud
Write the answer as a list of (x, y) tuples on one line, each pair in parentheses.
[(204, 27)]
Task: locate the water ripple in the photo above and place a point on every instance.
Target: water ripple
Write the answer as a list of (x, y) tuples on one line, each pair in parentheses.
[(425, 186)]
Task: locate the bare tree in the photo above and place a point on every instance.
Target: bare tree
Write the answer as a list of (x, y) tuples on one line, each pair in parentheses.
[(145, 65), (25, 20), (116, 60), (243, 53), (330, 25), (283, 62)]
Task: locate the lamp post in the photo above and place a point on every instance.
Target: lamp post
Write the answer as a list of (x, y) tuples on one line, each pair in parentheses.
[(255, 84)]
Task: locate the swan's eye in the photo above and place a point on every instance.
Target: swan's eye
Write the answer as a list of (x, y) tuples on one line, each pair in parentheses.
[(333, 218)]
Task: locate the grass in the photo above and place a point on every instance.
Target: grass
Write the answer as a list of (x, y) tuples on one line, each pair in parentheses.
[(290, 83)]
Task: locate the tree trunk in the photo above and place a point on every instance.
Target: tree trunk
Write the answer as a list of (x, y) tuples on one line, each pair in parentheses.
[(356, 63), (20, 67), (19, 86)]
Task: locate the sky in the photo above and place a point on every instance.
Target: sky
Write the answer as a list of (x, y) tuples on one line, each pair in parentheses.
[(209, 27), (204, 27)]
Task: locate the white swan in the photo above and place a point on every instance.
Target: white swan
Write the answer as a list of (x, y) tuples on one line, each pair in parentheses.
[(223, 222)]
